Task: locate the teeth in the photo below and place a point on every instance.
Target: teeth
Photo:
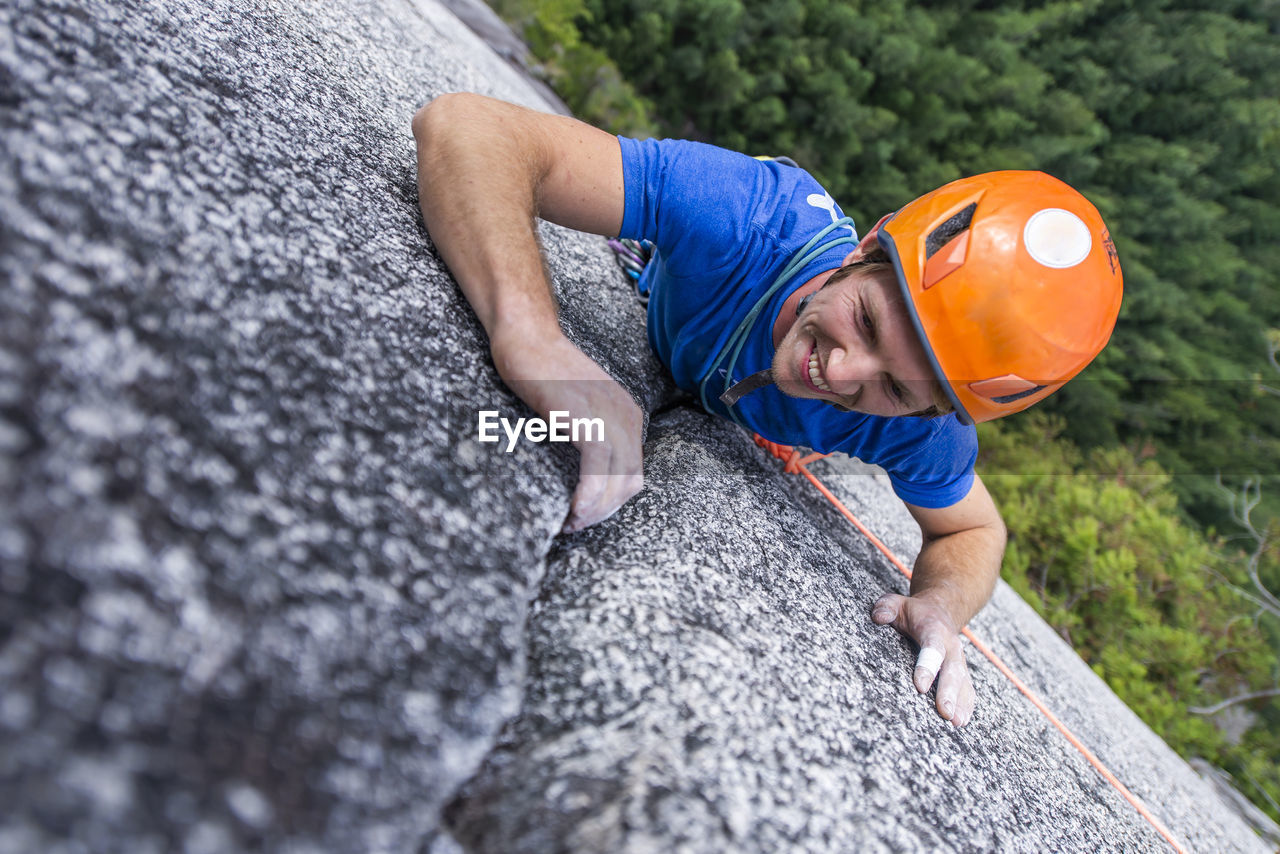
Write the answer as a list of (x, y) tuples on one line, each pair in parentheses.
[(814, 374)]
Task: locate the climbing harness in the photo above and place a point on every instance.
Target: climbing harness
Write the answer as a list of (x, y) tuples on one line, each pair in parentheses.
[(781, 158), (796, 463)]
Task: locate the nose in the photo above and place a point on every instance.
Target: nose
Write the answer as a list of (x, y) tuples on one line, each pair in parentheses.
[(848, 368)]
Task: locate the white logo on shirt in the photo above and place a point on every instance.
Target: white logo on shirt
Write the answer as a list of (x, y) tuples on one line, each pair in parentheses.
[(828, 204)]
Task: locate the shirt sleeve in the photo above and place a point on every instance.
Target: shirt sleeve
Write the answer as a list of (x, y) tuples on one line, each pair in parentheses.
[(939, 472), (692, 200)]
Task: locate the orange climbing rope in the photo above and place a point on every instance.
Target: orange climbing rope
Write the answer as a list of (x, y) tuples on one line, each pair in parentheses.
[(796, 463)]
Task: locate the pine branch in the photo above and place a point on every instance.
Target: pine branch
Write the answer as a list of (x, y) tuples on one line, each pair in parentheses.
[(1241, 506), (1242, 698)]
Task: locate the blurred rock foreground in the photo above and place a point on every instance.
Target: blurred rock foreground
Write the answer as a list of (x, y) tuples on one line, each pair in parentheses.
[(259, 590)]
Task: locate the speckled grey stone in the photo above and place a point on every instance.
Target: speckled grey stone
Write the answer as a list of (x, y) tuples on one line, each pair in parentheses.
[(259, 592), (250, 595), (715, 684)]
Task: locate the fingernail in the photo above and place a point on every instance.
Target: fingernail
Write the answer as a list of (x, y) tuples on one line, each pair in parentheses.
[(947, 708), (882, 615), (923, 678)]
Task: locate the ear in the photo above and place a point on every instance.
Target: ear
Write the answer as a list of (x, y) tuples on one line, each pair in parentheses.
[(867, 243)]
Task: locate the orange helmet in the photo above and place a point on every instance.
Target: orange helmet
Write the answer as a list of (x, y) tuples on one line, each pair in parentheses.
[(1012, 282)]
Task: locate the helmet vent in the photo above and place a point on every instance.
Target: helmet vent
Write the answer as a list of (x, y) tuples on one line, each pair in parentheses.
[(1005, 389), (942, 235), (1010, 398)]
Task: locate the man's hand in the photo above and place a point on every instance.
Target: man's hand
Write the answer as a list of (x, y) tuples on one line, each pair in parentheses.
[(610, 471), (954, 575), (485, 169), (941, 655)]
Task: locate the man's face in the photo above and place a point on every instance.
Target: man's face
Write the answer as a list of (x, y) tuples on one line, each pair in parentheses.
[(854, 345)]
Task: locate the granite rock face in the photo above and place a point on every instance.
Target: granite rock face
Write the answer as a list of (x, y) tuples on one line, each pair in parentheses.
[(716, 684), (251, 596), (259, 590)]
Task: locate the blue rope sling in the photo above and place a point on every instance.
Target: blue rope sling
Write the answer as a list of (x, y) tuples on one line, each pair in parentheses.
[(738, 339)]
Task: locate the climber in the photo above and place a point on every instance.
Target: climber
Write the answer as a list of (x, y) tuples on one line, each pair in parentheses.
[(970, 303)]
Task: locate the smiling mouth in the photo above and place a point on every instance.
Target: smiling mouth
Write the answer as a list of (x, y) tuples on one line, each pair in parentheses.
[(815, 372)]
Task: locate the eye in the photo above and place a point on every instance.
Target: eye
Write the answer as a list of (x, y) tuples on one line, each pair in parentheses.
[(896, 391), (869, 326)]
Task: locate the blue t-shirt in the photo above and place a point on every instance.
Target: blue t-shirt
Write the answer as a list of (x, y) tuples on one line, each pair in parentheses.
[(725, 225)]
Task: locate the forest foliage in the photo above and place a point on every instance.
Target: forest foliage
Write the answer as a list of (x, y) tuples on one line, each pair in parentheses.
[(1167, 616), (1166, 114)]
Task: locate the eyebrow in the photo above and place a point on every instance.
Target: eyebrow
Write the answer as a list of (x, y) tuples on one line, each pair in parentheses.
[(873, 306)]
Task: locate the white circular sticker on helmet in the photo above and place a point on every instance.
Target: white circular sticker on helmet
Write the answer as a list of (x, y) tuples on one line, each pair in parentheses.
[(1057, 238)]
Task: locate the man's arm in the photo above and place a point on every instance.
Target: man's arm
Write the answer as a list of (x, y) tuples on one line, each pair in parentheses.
[(953, 578), (486, 169)]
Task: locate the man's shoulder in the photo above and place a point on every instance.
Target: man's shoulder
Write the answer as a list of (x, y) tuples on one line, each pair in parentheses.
[(929, 460), (778, 196)]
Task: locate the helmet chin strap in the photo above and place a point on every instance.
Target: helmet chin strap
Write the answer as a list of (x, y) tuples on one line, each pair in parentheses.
[(744, 387)]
